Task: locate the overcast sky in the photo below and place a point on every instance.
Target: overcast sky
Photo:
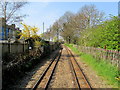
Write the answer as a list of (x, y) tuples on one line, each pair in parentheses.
[(49, 12)]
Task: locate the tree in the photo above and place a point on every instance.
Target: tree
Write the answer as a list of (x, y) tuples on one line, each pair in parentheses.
[(54, 31), (64, 24), (71, 26), (9, 12), (28, 32), (105, 34), (65, 19), (47, 35), (92, 15)]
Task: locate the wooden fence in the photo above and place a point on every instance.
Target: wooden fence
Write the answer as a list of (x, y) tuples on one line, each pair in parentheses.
[(111, 56), (13, 48)]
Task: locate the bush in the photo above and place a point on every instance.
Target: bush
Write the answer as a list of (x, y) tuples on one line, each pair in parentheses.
[(103, 35)]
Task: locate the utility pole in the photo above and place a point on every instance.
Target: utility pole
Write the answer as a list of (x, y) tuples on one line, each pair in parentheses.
[(57, 32), (43, 30), (49, 33)]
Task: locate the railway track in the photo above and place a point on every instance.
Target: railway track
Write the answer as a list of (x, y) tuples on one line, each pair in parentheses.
[(45, 78), (78, 73), (79, 76)]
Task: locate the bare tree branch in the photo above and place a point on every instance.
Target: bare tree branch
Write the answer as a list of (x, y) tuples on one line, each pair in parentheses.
[(9, 12), (10, 9)]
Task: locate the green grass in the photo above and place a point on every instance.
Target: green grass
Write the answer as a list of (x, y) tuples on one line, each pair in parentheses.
[(102, 67)]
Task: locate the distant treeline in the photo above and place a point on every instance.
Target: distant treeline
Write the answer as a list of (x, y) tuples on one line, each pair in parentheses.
[(88, 27)]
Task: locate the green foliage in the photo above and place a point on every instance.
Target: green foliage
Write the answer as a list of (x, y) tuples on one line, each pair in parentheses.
[(55, 39), (103, 68), (105, 34)]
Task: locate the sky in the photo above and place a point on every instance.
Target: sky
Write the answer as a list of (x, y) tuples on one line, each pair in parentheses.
[(49, 12)]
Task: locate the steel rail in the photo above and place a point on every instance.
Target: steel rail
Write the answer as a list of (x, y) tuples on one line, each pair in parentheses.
[(72, 68), (77, 71), (56, 58)]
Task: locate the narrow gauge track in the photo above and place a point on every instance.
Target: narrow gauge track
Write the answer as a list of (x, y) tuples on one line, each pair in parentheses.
[(78, 73), (45, 78)]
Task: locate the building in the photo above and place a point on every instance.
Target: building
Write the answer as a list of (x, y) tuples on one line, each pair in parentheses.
[(10, 32)]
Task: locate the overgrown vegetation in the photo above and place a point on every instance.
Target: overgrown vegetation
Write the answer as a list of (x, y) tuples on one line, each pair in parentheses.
[(105, 35), (102, 67), (15, 65)]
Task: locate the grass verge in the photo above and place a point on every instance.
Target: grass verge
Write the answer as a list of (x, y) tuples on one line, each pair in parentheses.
[(102, 67)]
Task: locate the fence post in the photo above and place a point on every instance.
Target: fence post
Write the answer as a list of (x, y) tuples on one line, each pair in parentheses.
[(8, 45)]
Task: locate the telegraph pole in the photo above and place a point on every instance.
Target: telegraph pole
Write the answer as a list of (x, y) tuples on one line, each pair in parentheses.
[(49, 33), (43, 29), (57, 33)]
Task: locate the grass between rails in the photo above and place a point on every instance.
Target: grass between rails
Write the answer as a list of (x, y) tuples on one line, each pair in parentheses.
[(102, 67)]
